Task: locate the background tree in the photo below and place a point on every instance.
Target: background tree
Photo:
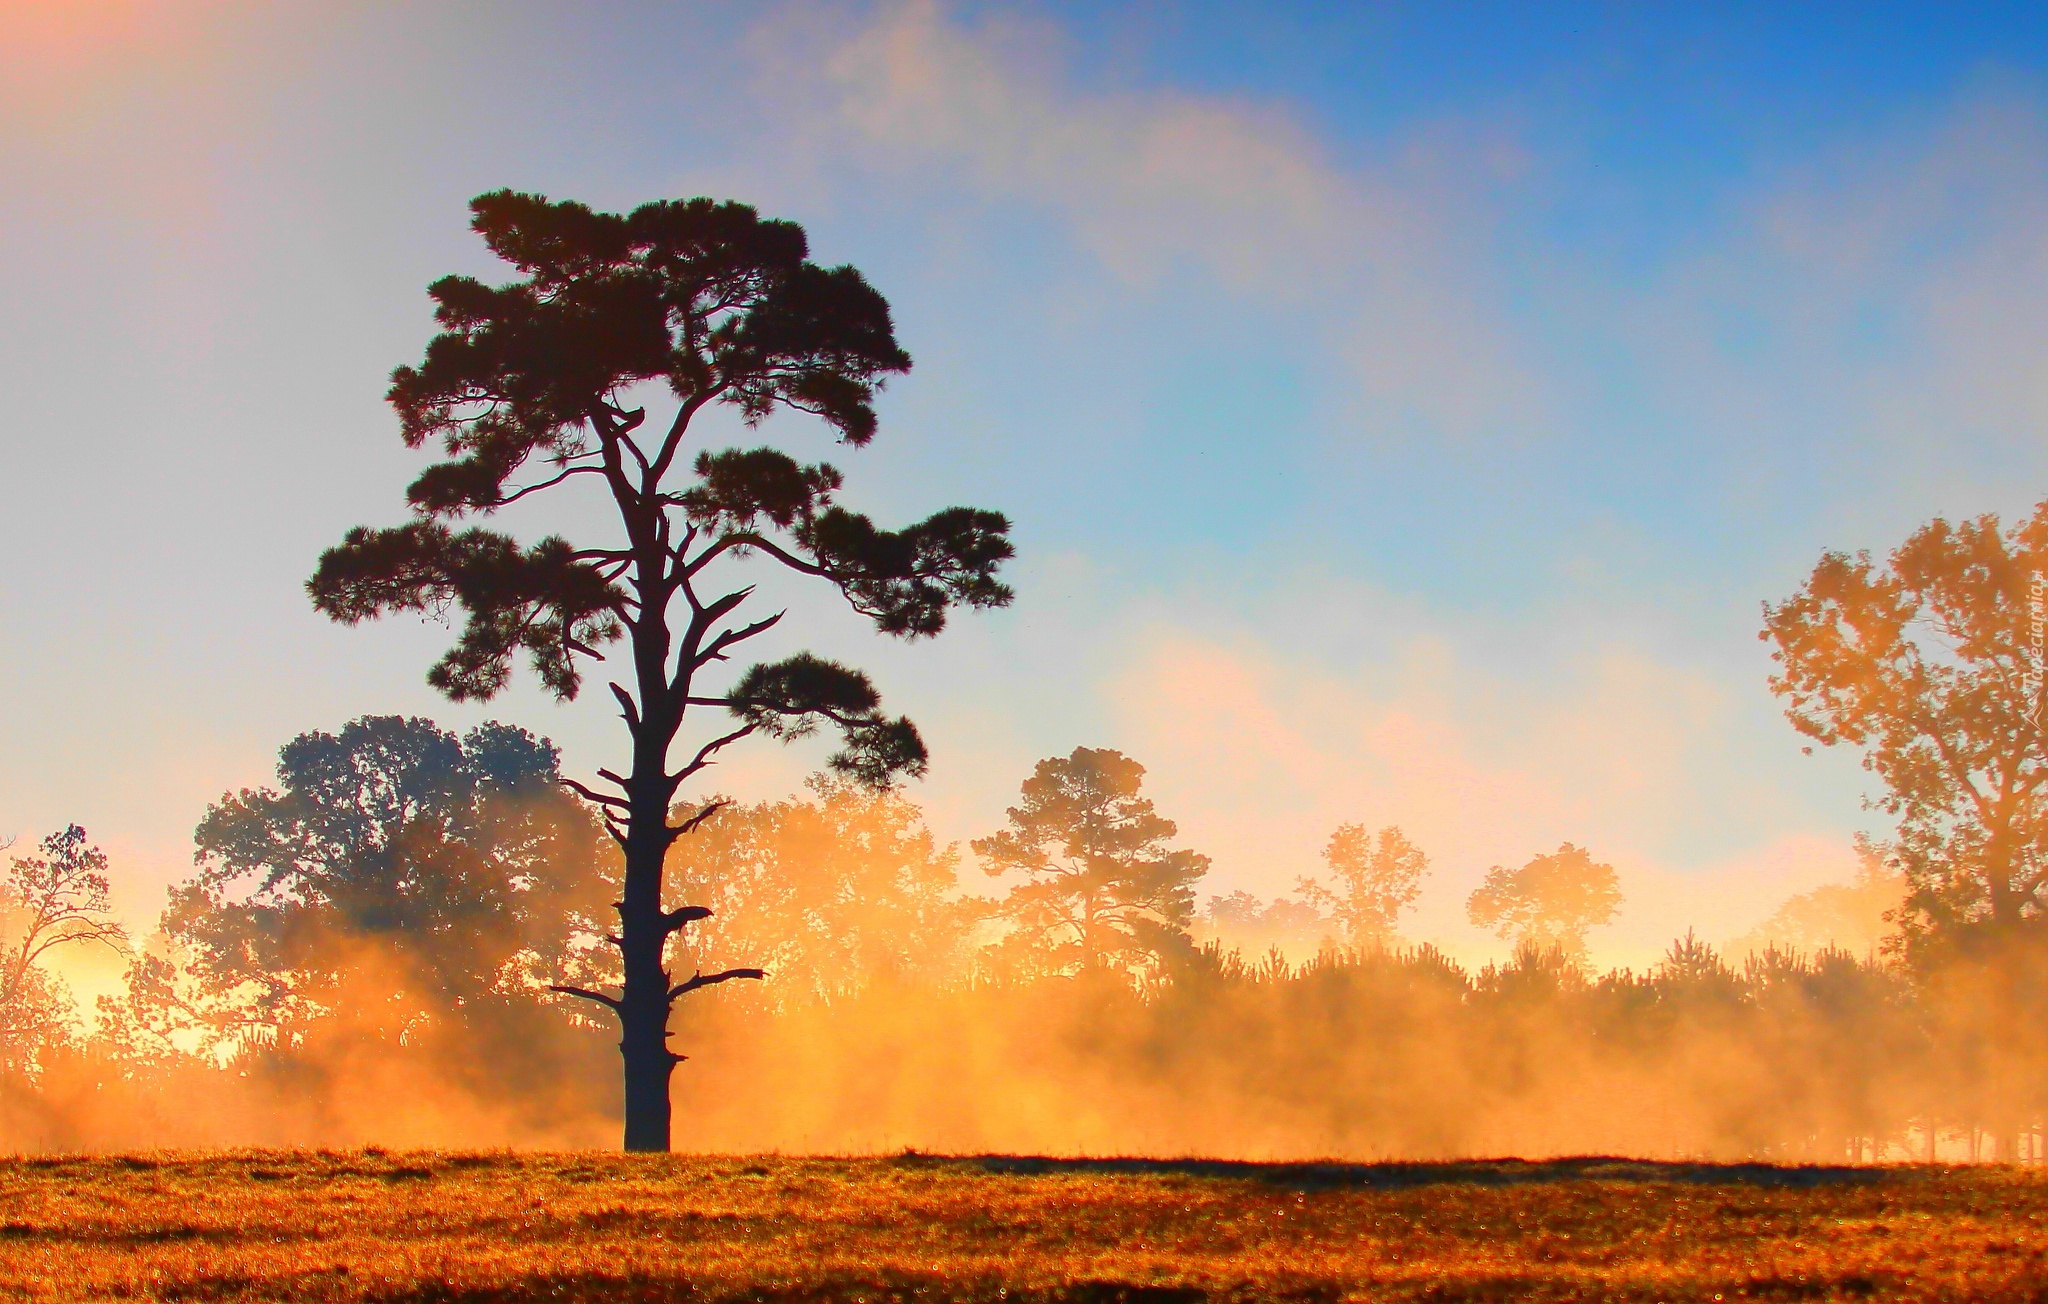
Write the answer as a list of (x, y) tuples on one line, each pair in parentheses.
[(831, 892), (1550, 902), (1925, 663), (410, 875), (1241, 922), (57, 897), (1101, 888), (541, 384), (1854, 916), (1377, 878)]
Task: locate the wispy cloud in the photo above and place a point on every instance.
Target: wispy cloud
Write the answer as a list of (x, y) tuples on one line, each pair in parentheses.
[(1870, 329), (1156, 183), (1262, 751)]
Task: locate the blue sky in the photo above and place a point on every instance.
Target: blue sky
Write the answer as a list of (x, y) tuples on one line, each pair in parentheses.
[(1404, 408)]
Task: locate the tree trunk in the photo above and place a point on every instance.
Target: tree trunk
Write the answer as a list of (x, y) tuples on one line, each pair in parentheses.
[(643, 929), (644, 1047), (644, 1016), (643, 937)]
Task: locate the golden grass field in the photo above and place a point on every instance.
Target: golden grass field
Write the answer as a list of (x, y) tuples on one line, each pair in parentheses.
[(371, 1225)]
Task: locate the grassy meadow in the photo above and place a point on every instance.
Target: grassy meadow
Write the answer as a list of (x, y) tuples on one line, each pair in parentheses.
[(375, 1225)]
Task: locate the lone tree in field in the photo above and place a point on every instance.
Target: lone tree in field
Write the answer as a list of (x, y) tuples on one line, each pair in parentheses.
[(1378, 876), (1101, 887), (543, 385), (1551, 901), (1930, 665)]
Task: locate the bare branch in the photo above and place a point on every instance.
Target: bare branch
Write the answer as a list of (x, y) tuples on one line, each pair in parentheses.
[(626, 705), (776, 551), (836, 717), (588, 995), (683, 573), (631, 445), (712, 748), (712, 979), (602, 799), (703, 617), (104, 931), (716, 652), (717, 609), (549, 483), (679, 551), (677, 920), (690, 825), (670, 445), (629, 419), (712, 551)]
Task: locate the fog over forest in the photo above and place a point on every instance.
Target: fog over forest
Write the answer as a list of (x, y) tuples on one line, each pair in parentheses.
[(1354, 582), (363, 954)]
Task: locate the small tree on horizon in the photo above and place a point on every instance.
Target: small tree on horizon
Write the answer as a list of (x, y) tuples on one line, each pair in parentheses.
[(1101, 888), (1550, 902), (1378, 876), (544, 384), (59, 896)]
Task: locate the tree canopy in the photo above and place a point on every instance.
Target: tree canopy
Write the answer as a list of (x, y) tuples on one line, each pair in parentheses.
[(456, 863), (1926, 663), (1551, 901), (830, 892), (719, 307), (1377, 877)]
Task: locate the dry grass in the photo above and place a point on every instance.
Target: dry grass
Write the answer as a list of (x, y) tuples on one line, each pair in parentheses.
[(435, 1226)]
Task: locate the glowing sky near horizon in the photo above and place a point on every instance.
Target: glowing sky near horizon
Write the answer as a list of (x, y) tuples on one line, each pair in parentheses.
[(1404, 408)]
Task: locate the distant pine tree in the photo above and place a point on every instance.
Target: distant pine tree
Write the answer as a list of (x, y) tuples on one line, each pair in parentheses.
[(1101, 888)]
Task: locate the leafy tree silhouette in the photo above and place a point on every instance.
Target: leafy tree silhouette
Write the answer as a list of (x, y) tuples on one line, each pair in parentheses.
[(1102, 889), (1378, 876), (541, 384), (57, 897), (836, 890), (1925, 663), (459, 861), (1551, 901)]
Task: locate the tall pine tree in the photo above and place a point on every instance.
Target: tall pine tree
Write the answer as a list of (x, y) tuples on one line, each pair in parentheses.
[(542, 385)]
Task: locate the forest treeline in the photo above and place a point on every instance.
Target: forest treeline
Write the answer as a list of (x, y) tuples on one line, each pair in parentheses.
[(366, 950)]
